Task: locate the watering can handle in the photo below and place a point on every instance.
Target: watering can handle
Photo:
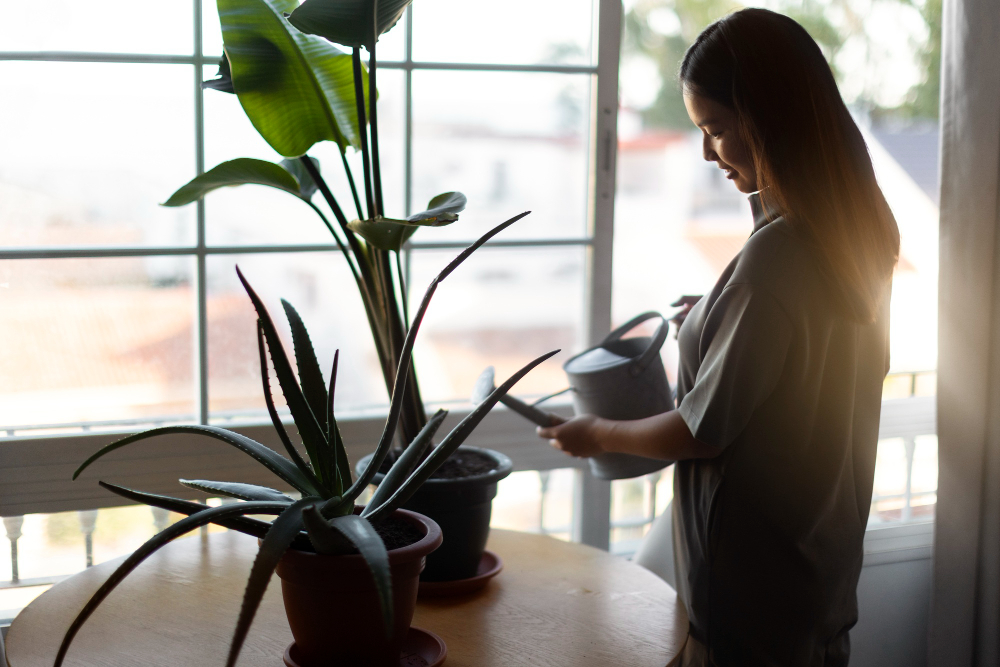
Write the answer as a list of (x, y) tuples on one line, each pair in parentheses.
[(639, 365)]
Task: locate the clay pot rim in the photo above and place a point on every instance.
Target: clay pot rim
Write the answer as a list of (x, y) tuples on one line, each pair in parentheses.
[(503, 468), (429, 542)]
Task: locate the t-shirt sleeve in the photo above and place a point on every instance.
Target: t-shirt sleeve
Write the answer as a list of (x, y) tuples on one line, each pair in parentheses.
[(743, 346)]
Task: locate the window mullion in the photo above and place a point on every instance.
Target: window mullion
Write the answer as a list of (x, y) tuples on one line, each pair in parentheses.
[(201, 288)]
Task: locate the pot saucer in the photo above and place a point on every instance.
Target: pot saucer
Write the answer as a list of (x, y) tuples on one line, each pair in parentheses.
[(489, 566), (421, 648)]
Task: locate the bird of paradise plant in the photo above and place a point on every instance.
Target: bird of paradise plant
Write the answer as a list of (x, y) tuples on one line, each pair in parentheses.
[(298, 89)]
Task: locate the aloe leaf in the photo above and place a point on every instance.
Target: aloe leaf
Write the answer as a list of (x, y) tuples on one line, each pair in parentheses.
[(284, 530), (360, 533), (407, 461), (402, 370), (348, 22), (307, 186), (336, 440), (451, 442), (265, 376), (441, 210), (241, 171), (270, 459), (295, 88), (159, 540), (237, 490), (246, 525), (305, 421), (310, 376), (224, 80)]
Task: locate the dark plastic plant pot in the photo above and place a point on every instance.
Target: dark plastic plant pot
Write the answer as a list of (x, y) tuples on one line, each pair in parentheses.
[(332, 608), (462, 508)]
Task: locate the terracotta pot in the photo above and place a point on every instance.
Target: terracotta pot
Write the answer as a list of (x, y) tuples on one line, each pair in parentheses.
[(332, 608), (462, 508)]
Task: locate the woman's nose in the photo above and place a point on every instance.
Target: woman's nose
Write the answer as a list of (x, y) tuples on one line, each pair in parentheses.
[(707, 151)]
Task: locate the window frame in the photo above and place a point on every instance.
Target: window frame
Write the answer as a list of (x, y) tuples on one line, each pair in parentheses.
[(35, 470)]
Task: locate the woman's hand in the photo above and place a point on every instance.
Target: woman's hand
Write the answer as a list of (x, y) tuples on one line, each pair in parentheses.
[(581, 436), (685, 303)]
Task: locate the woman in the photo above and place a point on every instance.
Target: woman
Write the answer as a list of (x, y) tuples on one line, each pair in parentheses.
[(781, 365)]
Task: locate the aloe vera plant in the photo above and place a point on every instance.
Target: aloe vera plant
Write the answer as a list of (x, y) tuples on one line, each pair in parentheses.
[(298, 89), (323, 518)]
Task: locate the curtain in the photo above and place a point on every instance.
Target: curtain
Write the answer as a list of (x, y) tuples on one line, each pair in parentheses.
[(965, 607)]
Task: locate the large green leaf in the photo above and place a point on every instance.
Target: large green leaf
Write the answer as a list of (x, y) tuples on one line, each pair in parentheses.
[(224, 82), (241, 171), (359, 532), (283, 531), (270, 459), (451, 442), (296, 89), (391, 234), (441, 210), (307, 186), (384, 233), (161, 539), (348, 22)]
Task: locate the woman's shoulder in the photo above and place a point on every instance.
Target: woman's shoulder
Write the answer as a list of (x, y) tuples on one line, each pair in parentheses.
[(777, 259)]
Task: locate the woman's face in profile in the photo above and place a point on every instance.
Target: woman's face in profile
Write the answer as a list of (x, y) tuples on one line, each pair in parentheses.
[(721, 141)]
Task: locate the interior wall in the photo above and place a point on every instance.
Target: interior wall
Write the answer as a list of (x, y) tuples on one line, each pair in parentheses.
[(893, 611)]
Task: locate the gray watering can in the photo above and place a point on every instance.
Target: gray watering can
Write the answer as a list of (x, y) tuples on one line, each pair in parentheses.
[(618, 379)]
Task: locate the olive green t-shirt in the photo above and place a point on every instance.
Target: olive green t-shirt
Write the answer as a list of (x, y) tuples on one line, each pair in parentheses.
[(768, 535)]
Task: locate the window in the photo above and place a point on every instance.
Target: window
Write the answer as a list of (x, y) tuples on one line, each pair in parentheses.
[(121, 314), (678, 222)]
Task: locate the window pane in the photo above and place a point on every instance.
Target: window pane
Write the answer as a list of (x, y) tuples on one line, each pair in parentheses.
[(490, 313), (113, 26), (517, 32), (254, 214), (672, 203), (511, 142), (536, 501), (96, 340), (90, 150), (320, 287)]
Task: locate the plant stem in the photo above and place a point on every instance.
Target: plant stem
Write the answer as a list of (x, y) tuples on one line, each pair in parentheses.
[(373, 116), (359, 97), (350, 180), (356, 249), (403, 292)]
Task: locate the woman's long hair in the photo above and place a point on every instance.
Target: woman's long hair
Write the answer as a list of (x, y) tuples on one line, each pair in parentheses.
[(812, 162)]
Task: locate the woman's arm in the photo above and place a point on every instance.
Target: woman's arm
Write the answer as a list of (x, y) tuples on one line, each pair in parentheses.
[(663, 436)]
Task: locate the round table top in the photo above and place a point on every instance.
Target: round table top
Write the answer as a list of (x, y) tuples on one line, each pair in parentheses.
[(555, 603)]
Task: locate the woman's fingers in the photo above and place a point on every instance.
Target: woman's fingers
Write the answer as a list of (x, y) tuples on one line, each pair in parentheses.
[(546, 432), (576, 437)]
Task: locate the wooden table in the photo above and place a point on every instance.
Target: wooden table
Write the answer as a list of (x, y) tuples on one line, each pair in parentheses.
[(555, 603)]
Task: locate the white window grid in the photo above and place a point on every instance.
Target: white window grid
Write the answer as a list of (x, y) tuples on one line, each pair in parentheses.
[(33, 477)]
